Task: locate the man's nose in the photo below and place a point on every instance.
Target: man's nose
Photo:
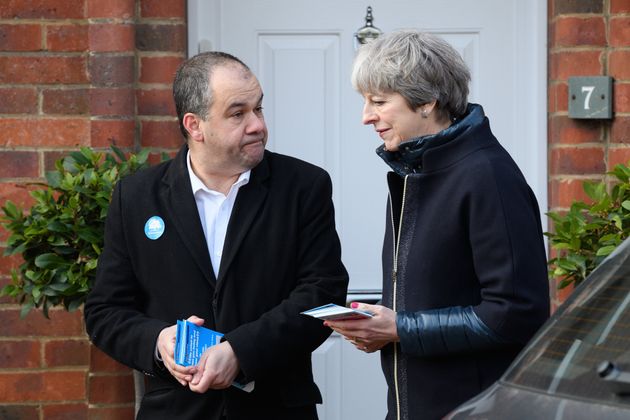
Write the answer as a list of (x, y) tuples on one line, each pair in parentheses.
[(255, 124)]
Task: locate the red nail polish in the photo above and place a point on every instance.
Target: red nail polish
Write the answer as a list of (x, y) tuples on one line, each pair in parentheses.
[(354, 305)]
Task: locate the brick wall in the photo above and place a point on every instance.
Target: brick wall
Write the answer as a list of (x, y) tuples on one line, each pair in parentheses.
[(586, 38), (95, 73), (75, 73)]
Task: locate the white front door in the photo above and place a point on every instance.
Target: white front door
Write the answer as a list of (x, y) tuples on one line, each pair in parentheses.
[(302, 53)]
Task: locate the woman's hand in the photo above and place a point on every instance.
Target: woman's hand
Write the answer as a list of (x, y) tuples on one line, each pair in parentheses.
[(371, 334)]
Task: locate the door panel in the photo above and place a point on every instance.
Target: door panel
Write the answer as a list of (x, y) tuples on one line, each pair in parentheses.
[(302, 52)]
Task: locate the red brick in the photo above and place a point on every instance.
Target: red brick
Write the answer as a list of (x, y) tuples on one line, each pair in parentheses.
[(17, 193), (567, 64), (72, 37), (563, 192), (107, 37), (577, 161), (573, 31), (111, 413), (123, 9), (45, 132), (619, 6), (120, 133), (558, 100), (562, 7), (159, 69), (559, 295), (163, 134), (42, 9), (42, 386), (50, 158), (19, 412), (65, 412), (65, 101), (40, 69), (111, 101), (8, 263), (161, 37), (155, 158), (20, 37), (102, 363), (14, 164), (617, 155), (4, 277), (551, 98), (619, 64), (67, 353), (19, 354), (111, 70), (565, 130), (60, 324), (619, 31), (620, 130), (18, 100), (163, 9), (156, 102), (111, 389), (622, 97)]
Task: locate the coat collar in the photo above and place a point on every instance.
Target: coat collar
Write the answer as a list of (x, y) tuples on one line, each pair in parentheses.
[(180, 203), (183, 211), (248, 201), (427, 153)]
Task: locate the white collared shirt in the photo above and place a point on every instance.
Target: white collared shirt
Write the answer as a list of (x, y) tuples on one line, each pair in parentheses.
[(214, 212)]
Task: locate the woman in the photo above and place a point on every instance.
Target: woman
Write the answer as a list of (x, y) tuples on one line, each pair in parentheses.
[(464, 267)]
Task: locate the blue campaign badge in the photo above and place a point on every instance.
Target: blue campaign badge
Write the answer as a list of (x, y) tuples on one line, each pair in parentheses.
[(154, 227)]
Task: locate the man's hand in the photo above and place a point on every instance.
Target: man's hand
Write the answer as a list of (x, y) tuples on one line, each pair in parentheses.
[(166, 349), (217, 369)]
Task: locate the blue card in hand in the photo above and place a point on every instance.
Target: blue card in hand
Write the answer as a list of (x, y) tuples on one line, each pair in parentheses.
[(192, 340)]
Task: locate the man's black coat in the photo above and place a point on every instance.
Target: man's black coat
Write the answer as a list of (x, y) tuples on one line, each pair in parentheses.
[(281, 256)]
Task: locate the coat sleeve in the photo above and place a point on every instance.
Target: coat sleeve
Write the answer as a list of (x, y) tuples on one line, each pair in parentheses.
[(444, 331), (281, 336), (506, 241), (505, 234), (113, 319)]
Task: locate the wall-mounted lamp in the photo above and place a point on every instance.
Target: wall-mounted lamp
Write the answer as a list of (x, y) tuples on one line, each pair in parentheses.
[(368, 32)]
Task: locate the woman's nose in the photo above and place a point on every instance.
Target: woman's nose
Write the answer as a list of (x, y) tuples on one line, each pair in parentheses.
[(369, 117)]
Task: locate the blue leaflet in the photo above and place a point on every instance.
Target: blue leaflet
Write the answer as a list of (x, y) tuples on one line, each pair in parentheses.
[(191, 341)]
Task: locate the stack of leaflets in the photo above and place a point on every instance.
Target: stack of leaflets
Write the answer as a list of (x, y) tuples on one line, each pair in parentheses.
[(190, 343), (337, 313)]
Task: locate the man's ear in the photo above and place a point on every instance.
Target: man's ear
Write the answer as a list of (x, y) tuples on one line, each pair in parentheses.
[(192, 124)]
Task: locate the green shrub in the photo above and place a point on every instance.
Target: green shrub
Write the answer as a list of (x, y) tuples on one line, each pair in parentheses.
[(61, 237), (589, 232)]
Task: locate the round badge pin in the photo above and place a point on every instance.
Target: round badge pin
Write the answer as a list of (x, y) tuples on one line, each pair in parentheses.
[(154, 227)]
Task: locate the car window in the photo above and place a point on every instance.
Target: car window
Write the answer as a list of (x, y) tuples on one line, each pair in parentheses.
[(591, 327)]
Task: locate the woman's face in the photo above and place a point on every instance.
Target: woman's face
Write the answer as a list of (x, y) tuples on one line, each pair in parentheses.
[(393, 120)]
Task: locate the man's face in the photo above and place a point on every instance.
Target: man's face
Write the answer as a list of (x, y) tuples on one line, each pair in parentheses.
[(235, 133)]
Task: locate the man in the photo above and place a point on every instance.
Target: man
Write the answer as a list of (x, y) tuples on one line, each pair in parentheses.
[(232, 237)]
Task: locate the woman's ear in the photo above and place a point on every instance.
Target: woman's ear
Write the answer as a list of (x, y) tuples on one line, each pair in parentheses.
[(192, 124), (427, 109)]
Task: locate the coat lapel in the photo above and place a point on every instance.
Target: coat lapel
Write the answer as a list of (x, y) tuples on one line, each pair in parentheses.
[(248, 202), (182, 209)]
